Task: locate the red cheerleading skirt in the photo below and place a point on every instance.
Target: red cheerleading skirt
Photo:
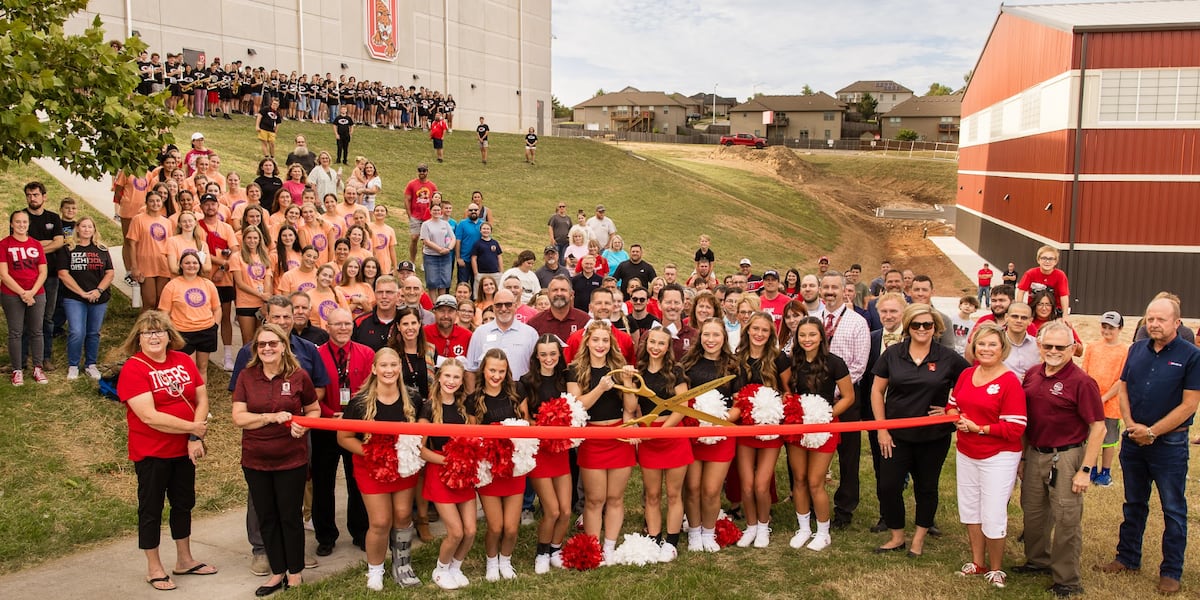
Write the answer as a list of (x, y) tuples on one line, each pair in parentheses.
[(664, 453), (750, 441), (606, 454), (369, 485), (502, 487), (551, 464), (722, 451), (436, 491), (829, 447)]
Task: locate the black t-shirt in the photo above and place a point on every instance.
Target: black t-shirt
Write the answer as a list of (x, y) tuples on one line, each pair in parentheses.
[(59, 259), (705, 371), (657, 382), (343, 124), (913, 388), (393, 412), (450, 416), (608, 406), (44, 228), (372, 332), (837, 370), (530, 139), (584, 286), (269, 185), (752, 372), (628, 270), (482, 132), (643, 324), (705, 254), (416, 375), (497, 409), (548, 388), (269, 121), (87, 265), (1010, 277)]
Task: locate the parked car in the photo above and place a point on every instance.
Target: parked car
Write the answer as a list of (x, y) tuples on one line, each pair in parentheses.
[(744, 139)]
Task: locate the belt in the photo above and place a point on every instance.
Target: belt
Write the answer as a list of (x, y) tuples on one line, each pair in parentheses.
[(1052, 449)]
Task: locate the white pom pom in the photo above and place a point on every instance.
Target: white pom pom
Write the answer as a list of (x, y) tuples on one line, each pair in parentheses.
[(637, 549), (711, 403), (816, 410), (524, 449), (579, 416), (408, 454), (484, 470), (766, 408)]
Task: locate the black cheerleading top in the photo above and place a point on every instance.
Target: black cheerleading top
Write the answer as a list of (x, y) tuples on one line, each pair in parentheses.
[(497, 409), (609, 406), (450, 416), (657, 382)]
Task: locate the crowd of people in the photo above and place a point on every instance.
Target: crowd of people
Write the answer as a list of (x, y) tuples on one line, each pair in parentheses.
[(336, 323)]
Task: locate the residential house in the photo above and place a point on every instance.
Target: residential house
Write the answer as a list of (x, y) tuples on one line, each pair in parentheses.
[(632, 110), (707, 106), (934, 118), (887, 93), (817, 116)]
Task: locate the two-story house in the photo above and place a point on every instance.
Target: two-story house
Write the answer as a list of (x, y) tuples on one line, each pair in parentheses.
[(813, 117), (887, 93), (632, 110), (934, 118)]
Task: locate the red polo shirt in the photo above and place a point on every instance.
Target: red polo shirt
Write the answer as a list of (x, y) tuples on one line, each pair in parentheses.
[(359, 360), (1061, 407), (449, 346)]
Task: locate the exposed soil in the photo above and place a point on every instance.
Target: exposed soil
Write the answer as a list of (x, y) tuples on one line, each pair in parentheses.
[(851, 202)]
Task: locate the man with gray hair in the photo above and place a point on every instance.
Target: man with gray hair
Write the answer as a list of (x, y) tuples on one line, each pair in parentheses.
[(515, 338)]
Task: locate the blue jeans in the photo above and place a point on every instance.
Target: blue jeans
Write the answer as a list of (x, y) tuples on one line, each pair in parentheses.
[(984, 296), (1165, 464), (83, 338)]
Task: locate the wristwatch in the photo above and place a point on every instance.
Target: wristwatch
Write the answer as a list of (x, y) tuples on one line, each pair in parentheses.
[(1085, 469)]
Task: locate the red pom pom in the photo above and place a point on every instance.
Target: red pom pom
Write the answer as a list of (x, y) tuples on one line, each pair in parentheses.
[(582, 552), (727, 533), (499, 453), (379, 453), (690, 421), (554, 413), (793, 414), (742, 401), (461, 468)]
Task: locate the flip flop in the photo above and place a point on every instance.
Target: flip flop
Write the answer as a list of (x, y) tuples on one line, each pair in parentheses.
[(165, 579), (199, 569)]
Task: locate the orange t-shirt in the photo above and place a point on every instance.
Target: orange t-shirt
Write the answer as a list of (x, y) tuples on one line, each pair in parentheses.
[(384, 244), (174, 219), (149, 235), (255, 275), (346, 213), (177, 246), (297, 281), (232, 200), (336, 225), (214, 175), (192, 305), (323, 303), (1105, 363), (358, 297), (293, 260), (361, 254), (319, 235), (238, 210), (133, 194)]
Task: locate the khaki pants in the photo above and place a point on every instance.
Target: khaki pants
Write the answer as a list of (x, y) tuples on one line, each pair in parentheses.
[(1053, 515)]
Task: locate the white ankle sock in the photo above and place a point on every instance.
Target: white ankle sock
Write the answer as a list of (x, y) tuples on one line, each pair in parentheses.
[(822, 527), (610, 545), (455, 564), (505, 560), (442, 565), (803, 521), (493, 561), (378, 569)]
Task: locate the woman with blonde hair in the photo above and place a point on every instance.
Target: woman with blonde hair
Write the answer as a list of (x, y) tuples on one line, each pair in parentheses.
[(577, 245), (86, 276), (252, 278), (189, 237), (147, 250)]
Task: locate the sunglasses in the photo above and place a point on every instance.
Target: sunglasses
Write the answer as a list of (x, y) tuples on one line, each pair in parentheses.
[(268, 344), (638, 300), (1055, 347), (921, 325), (502, 304)]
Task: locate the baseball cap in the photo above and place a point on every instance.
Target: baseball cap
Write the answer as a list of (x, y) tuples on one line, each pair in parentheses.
[(445, 300), (745, 261), (406, 266), (197, 136), (823, 259), (771, 273), (422, 167), (600, 208), (550, 250), (207, 198), (1113, 318)]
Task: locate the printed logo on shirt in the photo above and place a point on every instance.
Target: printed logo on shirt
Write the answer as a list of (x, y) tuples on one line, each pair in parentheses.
[(1056, 389), (21, 254), (457, 351), (141, 183), (285, 389), (195, 297), (256, 271), (292, 264), (932, 367), (170, 380), (1171, 363), (319, 242), (307, 286), (381, 241), (993, 389), (157, 232), (326, 307)]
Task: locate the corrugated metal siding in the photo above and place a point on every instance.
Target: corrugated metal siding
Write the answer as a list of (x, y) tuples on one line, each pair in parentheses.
[(1136, 212), (1042, 153), (1135, 49), (997, 245), (999, 74), (1026, 205), (1142, 151)]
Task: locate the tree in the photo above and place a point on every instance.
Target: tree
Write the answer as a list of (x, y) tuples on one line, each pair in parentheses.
[(71, 98), (599, 92), (867, 106), (806, 90), (907, 135), (560, 111), (937, 89)]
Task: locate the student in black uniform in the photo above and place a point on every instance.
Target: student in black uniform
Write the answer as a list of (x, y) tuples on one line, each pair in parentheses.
[(343, 129), (482, 133), (530, 146)]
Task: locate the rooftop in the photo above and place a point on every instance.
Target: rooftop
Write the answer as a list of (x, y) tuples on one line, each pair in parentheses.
[(1141, 15)]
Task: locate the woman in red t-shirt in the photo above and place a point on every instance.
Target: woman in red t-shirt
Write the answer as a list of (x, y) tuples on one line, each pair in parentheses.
[(269, 391), (166, 408), (22, 273), (990, 403)]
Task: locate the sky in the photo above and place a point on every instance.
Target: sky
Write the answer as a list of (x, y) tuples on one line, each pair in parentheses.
[(765, 46)]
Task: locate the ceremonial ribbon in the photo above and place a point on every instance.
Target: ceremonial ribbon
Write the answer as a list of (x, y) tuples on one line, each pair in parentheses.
[(608, 433)]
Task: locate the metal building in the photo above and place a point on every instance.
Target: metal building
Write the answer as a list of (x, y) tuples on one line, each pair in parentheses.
[(1081, 130)]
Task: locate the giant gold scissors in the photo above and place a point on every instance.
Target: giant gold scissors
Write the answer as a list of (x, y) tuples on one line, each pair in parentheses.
[(676, 403)]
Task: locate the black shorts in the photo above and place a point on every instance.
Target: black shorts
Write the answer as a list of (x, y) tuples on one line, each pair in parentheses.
[(204, 340), (226, 293), (246, 312), (437, 144)]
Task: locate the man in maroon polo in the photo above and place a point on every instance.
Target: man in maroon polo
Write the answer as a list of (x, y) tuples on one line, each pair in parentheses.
[(562, 318)]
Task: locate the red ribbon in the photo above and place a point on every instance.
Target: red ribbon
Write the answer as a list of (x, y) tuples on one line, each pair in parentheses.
[(609, 433)]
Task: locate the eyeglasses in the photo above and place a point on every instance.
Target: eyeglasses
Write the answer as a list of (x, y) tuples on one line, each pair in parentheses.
[(745, 313), (502, 304), (1047, 258), (927, 325), (268, 344), (638, 300), (1055, 347), (562, 205), (154, 333)]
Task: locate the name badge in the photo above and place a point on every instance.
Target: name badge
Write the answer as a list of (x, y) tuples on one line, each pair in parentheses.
[(285, 389), (344, 396), (492, 337)]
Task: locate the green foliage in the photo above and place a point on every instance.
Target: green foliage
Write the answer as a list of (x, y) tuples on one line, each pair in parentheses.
[(560, 111), (937, 89), (867, 106), (806, 90), (907, 135), (72, 97)]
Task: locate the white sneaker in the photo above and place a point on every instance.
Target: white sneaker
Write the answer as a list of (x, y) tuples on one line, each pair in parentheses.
[(375, 581), (493, 571), (820, 542), (92, 372), (541, 564), (748, 536), (695, 542), (459, 578), (556, 559), (527, 517), (668, 553), (507, 571), (72, 372), (799, 539), (763, 539), (607, 560), (445, 579), (228, 366), (711, 545)]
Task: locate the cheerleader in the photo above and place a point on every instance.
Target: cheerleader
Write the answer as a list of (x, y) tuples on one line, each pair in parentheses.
[(495, 401), (551, 478), (705, 361), (758, 360), (389, 500), (815, 371), (662, 459), (604, 465), (455, 507)]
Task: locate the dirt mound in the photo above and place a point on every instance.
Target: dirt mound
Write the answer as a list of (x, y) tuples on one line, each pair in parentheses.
[(778, 159)]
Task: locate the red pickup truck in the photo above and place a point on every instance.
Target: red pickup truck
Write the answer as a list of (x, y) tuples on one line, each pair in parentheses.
[(744, 139)]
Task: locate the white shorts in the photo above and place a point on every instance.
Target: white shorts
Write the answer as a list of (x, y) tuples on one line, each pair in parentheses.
[(984, 488)]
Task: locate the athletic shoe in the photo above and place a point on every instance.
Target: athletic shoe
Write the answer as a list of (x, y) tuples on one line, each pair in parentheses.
[(695, 542), (375, 581), (668, 553), (527, 517), (995, 578), (763, 539), (970, 569), (92, 372), (748, 536), (444, 579), (541, 564), (820, 542), (493, 571), (710, 544), (228, 363), (72, 372), (1104, 479), (40, 376), (556, 559), (259, 565), (18, 378), (507, 571), (459, 578), (800, 539)]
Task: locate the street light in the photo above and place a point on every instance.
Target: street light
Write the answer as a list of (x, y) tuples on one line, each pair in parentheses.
[(715, 103)]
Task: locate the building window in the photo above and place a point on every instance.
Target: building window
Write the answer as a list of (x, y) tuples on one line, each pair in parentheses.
[(603, 109), (829, 115), (1150, 95), (947, 119), (894, 120), (804, 134)]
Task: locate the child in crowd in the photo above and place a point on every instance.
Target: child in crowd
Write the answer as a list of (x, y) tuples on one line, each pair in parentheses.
[(1104, 362), (962, 322), (705, 252)]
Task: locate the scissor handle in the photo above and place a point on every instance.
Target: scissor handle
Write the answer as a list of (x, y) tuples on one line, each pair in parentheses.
[(642, 390)]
